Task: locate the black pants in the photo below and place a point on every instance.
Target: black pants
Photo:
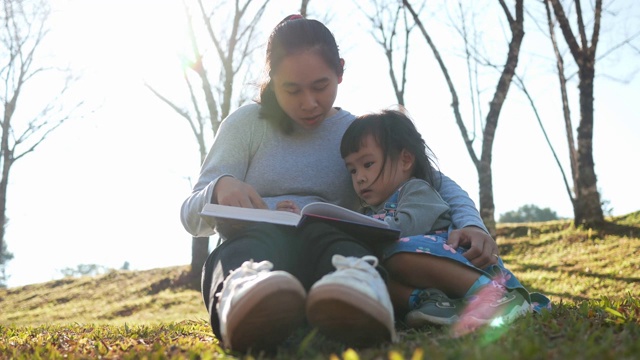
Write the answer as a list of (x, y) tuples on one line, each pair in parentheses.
[(305, 253)]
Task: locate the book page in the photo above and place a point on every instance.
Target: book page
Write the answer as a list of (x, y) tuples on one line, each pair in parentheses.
[(248, 214), (328, 210)]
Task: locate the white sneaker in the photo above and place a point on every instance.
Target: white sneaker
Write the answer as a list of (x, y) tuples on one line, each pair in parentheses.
[(352, 304), (259, 308)]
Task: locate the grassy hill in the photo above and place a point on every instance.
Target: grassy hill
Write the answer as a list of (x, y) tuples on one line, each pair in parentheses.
[(119, 297), (592, 277)]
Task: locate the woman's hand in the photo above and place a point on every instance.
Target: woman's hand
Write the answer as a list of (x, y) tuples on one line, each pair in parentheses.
[(233, 192), (288, 205), (483, 250)]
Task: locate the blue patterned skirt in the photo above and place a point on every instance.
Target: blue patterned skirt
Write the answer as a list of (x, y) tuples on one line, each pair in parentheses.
[(436, 245)]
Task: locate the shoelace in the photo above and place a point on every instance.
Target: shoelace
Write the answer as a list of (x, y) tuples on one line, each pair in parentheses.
[(363, 263), (246, 272), (432, 296), (493, 292), (361, 269)]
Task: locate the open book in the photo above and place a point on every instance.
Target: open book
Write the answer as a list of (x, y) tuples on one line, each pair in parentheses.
[(353, 223)]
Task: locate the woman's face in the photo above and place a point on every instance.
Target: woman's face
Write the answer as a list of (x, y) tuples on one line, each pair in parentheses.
[(306, 87)]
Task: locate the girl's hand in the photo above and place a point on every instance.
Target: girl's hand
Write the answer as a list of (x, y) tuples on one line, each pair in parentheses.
[(233, 192), (288, 205), (483, 250)]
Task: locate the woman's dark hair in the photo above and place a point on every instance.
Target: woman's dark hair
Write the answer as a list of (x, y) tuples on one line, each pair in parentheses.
[(394, 131), (294, 34)]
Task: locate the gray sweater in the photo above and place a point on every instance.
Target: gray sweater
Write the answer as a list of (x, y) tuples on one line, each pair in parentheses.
[(304, 167)]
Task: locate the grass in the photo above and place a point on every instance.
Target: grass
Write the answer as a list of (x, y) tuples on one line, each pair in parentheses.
[(590, 275)]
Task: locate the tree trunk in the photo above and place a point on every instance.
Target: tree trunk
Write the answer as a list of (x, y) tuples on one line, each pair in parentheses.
[(487, 207), (6, 161), (587, 209), (199, 254), (485, 176), (483, 165)]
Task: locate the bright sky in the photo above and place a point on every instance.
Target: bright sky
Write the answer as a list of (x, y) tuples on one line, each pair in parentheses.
[(108, 188)]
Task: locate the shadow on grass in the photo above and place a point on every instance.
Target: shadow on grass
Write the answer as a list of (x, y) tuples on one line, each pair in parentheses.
[(591, 274), (612, 228), (523, 245)]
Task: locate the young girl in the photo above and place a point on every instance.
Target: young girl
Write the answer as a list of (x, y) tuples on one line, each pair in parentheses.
[(392, 172)]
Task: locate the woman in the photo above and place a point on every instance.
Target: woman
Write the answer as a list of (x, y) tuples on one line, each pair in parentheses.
[(286, 147)]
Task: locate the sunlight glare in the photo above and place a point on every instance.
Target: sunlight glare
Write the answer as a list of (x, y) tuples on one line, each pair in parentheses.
[(121, 39), (497, 322)]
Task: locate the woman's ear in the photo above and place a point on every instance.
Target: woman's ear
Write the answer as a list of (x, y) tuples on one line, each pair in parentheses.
[(342, 65), (407, 159)]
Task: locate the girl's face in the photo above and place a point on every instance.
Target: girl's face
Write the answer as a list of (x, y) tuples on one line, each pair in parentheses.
[(306, 87), (373, 184)]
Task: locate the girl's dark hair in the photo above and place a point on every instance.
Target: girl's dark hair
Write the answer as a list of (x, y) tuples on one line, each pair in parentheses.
[(294, 34), (394, 131)]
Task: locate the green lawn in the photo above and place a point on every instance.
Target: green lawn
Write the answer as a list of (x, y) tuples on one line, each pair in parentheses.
[(591, 276)]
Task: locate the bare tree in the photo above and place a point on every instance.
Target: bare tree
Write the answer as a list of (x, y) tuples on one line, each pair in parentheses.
[(24, 128), (223, 41), (483, 163), (5, 257), (587, 207), (303, 7), (386, 17)]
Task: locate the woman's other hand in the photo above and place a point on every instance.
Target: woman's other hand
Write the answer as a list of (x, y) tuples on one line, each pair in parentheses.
[(482, 248)]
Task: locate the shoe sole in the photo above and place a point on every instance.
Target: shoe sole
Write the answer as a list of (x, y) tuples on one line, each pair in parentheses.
[(472, 323), (416, 320), (349, 316), (419, 320), (267, 315), (509, 317)]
